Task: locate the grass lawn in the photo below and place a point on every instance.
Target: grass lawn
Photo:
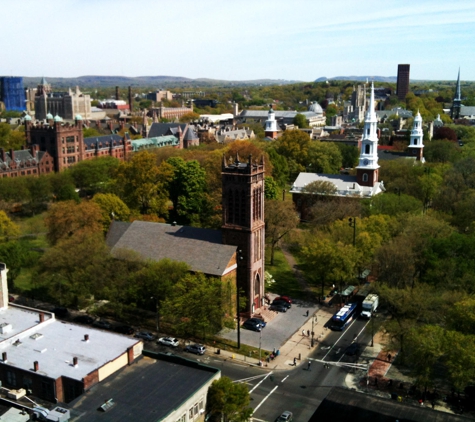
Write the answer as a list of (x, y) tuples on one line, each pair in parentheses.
[(285, 280)]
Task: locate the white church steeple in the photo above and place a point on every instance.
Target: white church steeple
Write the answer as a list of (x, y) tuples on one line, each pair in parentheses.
[(416, 145), (367, 170), (271, 125)]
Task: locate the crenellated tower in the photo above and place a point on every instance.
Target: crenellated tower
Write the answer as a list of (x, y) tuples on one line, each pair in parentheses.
[(243, 224), (367, 171)]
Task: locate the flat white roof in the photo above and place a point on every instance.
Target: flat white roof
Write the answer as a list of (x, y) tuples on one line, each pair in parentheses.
[(346, 185), (54, 343)]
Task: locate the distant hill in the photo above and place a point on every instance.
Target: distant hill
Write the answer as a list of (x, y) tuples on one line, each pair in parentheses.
[(389, 79), (92, 81)]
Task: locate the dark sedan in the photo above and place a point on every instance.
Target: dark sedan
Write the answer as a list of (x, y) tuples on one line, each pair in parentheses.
[(278, 307)]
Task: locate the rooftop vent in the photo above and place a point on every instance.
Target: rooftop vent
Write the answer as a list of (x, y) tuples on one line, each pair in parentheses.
[(36, 336)]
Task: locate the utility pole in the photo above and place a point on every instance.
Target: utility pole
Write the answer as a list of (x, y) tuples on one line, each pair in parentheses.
[(352, 223)]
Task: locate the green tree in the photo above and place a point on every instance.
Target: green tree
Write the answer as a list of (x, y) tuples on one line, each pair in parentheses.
[(67, 218), (94, 175), (141, 183), (270, 188), (112, 207), (294, 145), (90, 132), (7, 227), (349, 155), (228, 401), (62, 186), (189, 117), (300, 121), (280, 219)]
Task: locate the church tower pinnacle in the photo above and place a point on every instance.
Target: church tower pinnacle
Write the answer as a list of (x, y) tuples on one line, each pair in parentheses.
[(416, 147), (271, 125), (457, 101), (367, 171)]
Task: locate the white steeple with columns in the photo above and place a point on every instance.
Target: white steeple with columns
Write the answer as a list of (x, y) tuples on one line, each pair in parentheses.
[(271, 123), (416, 145), (369, 145)]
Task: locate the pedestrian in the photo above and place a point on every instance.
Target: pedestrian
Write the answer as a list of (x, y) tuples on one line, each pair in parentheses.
[(303, 332), (308, 333), (389, 357), (295, 361), (307, 313), (308, 366)]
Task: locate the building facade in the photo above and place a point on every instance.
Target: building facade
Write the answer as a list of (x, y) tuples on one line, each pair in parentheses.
[(65, 104), (12, 93), (402, 86)]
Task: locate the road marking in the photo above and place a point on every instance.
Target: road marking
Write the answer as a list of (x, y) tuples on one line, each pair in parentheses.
[(265, 398), (259, 383), (285, 378), (342, 334)]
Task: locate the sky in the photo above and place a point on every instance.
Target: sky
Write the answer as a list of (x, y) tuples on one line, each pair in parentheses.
[(238, 40)]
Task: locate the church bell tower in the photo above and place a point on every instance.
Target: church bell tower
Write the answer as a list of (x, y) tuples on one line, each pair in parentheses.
[(243, 224), (367, 171), (416, 147)]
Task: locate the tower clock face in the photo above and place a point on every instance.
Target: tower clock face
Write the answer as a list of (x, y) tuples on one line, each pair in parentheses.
[(365, 162)]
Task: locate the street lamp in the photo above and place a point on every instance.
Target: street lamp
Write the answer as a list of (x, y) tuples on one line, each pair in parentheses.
[(260, 340), (372, 327), (352, 223), (314, 319), (156, 314)]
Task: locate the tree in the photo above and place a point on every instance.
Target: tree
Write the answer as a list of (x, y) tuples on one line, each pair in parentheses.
[(7, 227), (324, 157), (270, 188), (294, 145), (94, 175), (392, 204), (349, 155), (320, 187), (228, 401), (62, 186), (189, 117), (141, 184), (280, 219), (300, 121), (187, 187), (441, 151), (445, 133), (112, 207), (67, 218)]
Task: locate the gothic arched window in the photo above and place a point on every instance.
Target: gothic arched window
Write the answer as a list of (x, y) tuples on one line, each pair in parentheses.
[(365, 177)]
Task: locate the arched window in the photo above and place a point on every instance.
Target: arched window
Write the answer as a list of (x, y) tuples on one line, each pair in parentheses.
[(365, 177), (367, 149), (257, 285)]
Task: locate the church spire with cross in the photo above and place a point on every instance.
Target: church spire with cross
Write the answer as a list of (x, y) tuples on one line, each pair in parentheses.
[(457, 101)]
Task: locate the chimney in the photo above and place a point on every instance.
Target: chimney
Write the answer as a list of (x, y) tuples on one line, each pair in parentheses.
[(86, 337), (4, 357), (2, 154), (130, 98), (117, 93), (36, 366), (42, 317), (75, 361), (12, 154)]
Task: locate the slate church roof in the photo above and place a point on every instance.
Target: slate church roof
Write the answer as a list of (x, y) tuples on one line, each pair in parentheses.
[(201, 249)]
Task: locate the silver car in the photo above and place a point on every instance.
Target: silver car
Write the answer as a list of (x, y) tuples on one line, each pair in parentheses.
[(168, 341)]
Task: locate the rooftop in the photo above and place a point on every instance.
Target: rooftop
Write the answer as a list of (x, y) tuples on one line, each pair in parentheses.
[(53, 343)]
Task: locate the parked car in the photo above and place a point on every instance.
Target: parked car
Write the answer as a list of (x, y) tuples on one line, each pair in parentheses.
[(278, 307), (284, 298), (11, 298), (145, 335), (60, 311), (84, 319), (353, 349), (100, 323), (124, 329), (197, 349), (285, 417), (252, 325), (169, 341), (282, 302), (259, 321)]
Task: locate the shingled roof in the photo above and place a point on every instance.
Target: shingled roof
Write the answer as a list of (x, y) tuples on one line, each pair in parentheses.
[(201, 249)]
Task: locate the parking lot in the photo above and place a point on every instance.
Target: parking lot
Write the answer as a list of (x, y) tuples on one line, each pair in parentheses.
[(278, 330)]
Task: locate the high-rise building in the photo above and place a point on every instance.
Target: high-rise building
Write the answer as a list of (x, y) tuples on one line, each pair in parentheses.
[(402, 81), (12, 93)]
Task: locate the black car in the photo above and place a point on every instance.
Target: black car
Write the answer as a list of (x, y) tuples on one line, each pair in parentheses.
[(353, 349), (124, 329), (278, 307), (102, 324), (60, 311), (84, 319), (282, 302), (252, 325)]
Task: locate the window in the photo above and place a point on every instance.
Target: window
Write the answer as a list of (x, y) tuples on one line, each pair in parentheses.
[(11, 378), (367, 131), (182, 418), (367, 149), (365, 177), (70, 139), (190, 414)]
